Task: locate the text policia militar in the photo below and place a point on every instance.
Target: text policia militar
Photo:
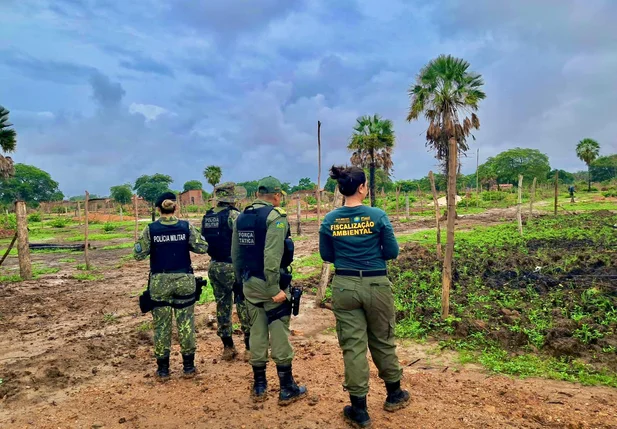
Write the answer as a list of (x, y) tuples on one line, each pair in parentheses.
[(168, 238)]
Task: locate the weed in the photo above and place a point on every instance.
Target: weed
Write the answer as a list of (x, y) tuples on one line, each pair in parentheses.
[(109, 227), (88, 276), (145, 326), (34, 217), (66, 260), (110, 318), (118, 246), (59, 222)]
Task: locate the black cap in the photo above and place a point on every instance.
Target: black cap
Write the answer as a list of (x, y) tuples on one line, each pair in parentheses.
[(163, 197)]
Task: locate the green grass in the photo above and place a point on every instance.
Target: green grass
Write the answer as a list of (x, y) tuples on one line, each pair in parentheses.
[(67, 260), (306, 266), (88, 276), (579, 206), (207, 295), (37, 272), (110, 318), (129, 245), (145, 326)]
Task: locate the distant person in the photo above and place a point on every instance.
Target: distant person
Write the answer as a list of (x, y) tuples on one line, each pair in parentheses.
[(571, 191), (359, 240), (172, 286), (217, 227), (262, 252)]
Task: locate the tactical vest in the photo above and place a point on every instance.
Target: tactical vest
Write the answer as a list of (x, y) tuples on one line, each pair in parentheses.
[(216, 231), (169, 248), (252, 228)]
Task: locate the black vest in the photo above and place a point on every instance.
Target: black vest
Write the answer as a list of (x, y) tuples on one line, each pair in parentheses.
[(251, 228), (216, 231), (169, 248)]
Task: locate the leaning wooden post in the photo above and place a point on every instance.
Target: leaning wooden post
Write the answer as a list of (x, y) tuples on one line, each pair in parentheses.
[(23, 250), (86, 215), (319, 172), (299, 216), (8, 250), (556, 190), (431, 178), (532, 196), (136, 215), (407, 206), (78, 212), (398, 194), (519, 208)]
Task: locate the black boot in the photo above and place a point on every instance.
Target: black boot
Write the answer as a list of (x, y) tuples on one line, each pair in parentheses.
[(397, 398), (163, 368), (356, 414), (229, 351), (188, 362), (290, 391), (260, 385)]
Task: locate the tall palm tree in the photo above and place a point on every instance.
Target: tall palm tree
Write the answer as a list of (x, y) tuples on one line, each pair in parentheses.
[(447, 94), (372, 142), (587, 151), (8, 142), (213, 174)]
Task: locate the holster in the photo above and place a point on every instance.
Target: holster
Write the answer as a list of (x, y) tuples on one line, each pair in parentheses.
[(296, 294), (279, 312), (238, 292), (285, 279)]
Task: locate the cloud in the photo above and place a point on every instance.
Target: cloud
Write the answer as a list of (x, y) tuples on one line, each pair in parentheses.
[(149, 111), (248, 81)]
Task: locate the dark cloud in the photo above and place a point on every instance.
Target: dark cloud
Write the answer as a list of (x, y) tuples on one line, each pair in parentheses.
[(49, 70), (147, 65), (107, 94)]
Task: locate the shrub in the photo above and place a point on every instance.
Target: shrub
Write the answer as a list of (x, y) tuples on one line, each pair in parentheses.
[(8, 221), (610, 193), (192, 209), (493, 196), (58, 210), (59, 222), (34, 217), (109, 227)]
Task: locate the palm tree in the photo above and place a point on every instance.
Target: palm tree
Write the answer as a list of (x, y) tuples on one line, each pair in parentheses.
[(372, 142), (587, 151), (8, 142), (447, 94), (213, 174)]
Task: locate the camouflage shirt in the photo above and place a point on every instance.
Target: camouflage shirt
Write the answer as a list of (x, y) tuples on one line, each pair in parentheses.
[(233, 214), (142, 248), (277, 227)]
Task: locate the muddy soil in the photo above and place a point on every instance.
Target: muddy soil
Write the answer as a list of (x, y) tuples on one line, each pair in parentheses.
[(78, 354)]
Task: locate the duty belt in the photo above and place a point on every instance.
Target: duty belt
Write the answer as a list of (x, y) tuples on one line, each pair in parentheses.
[(223, 260), (359, 273)]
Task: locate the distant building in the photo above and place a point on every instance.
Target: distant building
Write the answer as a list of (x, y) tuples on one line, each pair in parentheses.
[(193, 197), (306, 193), (502, 187)]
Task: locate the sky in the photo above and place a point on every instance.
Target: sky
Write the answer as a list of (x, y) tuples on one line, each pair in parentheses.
[(104, 91)]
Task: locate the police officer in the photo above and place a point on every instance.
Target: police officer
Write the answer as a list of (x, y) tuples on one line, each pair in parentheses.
[(359, 240), (216, 228), (168, 241), (262, 252)]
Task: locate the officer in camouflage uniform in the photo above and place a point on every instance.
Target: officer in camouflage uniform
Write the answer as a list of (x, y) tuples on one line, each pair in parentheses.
[(261, 253), (168, 241), (216, 228)]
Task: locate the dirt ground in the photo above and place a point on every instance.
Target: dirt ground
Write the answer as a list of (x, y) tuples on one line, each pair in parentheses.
[(78, 354)]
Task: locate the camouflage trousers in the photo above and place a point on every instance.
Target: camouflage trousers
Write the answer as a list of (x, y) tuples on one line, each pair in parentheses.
[(222, 278), (163, 287)]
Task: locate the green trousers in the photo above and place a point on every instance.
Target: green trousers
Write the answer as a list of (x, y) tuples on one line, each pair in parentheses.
[(162, 288), (222, 278), (263, 334), (364, 311)]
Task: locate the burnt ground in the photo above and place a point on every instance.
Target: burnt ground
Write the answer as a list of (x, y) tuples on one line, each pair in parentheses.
[(78, 354)]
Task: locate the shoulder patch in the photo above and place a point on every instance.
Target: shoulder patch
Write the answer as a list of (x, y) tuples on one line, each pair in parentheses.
[(138, 247), (280, 211), (280, 224)]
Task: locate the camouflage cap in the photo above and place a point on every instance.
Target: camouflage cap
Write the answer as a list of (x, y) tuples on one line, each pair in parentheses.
[(270, 185), (228, 192)]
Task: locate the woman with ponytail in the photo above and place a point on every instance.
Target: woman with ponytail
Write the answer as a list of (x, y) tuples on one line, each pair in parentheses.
[(359, 240)]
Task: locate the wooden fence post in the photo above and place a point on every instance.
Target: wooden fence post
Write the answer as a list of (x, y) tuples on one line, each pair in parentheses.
[(78, 212), (319, 173), (299, 216), (532, 196), (519, 208), (86, 254), (23, 250), (407, 206), (398, 194), (136, 215), (431, 178), (556, 190)]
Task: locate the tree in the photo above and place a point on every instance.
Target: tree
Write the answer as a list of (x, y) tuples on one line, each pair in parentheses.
[(506, 166), (30, 184), (8, 142), (587, 151), (565, 178), (372, 142), (250, 186), (603, 168), (445, 92), (213, 174), (305, 184), (286, 187), (150, 187), (193, 185), (122, 194), (330, 185)]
